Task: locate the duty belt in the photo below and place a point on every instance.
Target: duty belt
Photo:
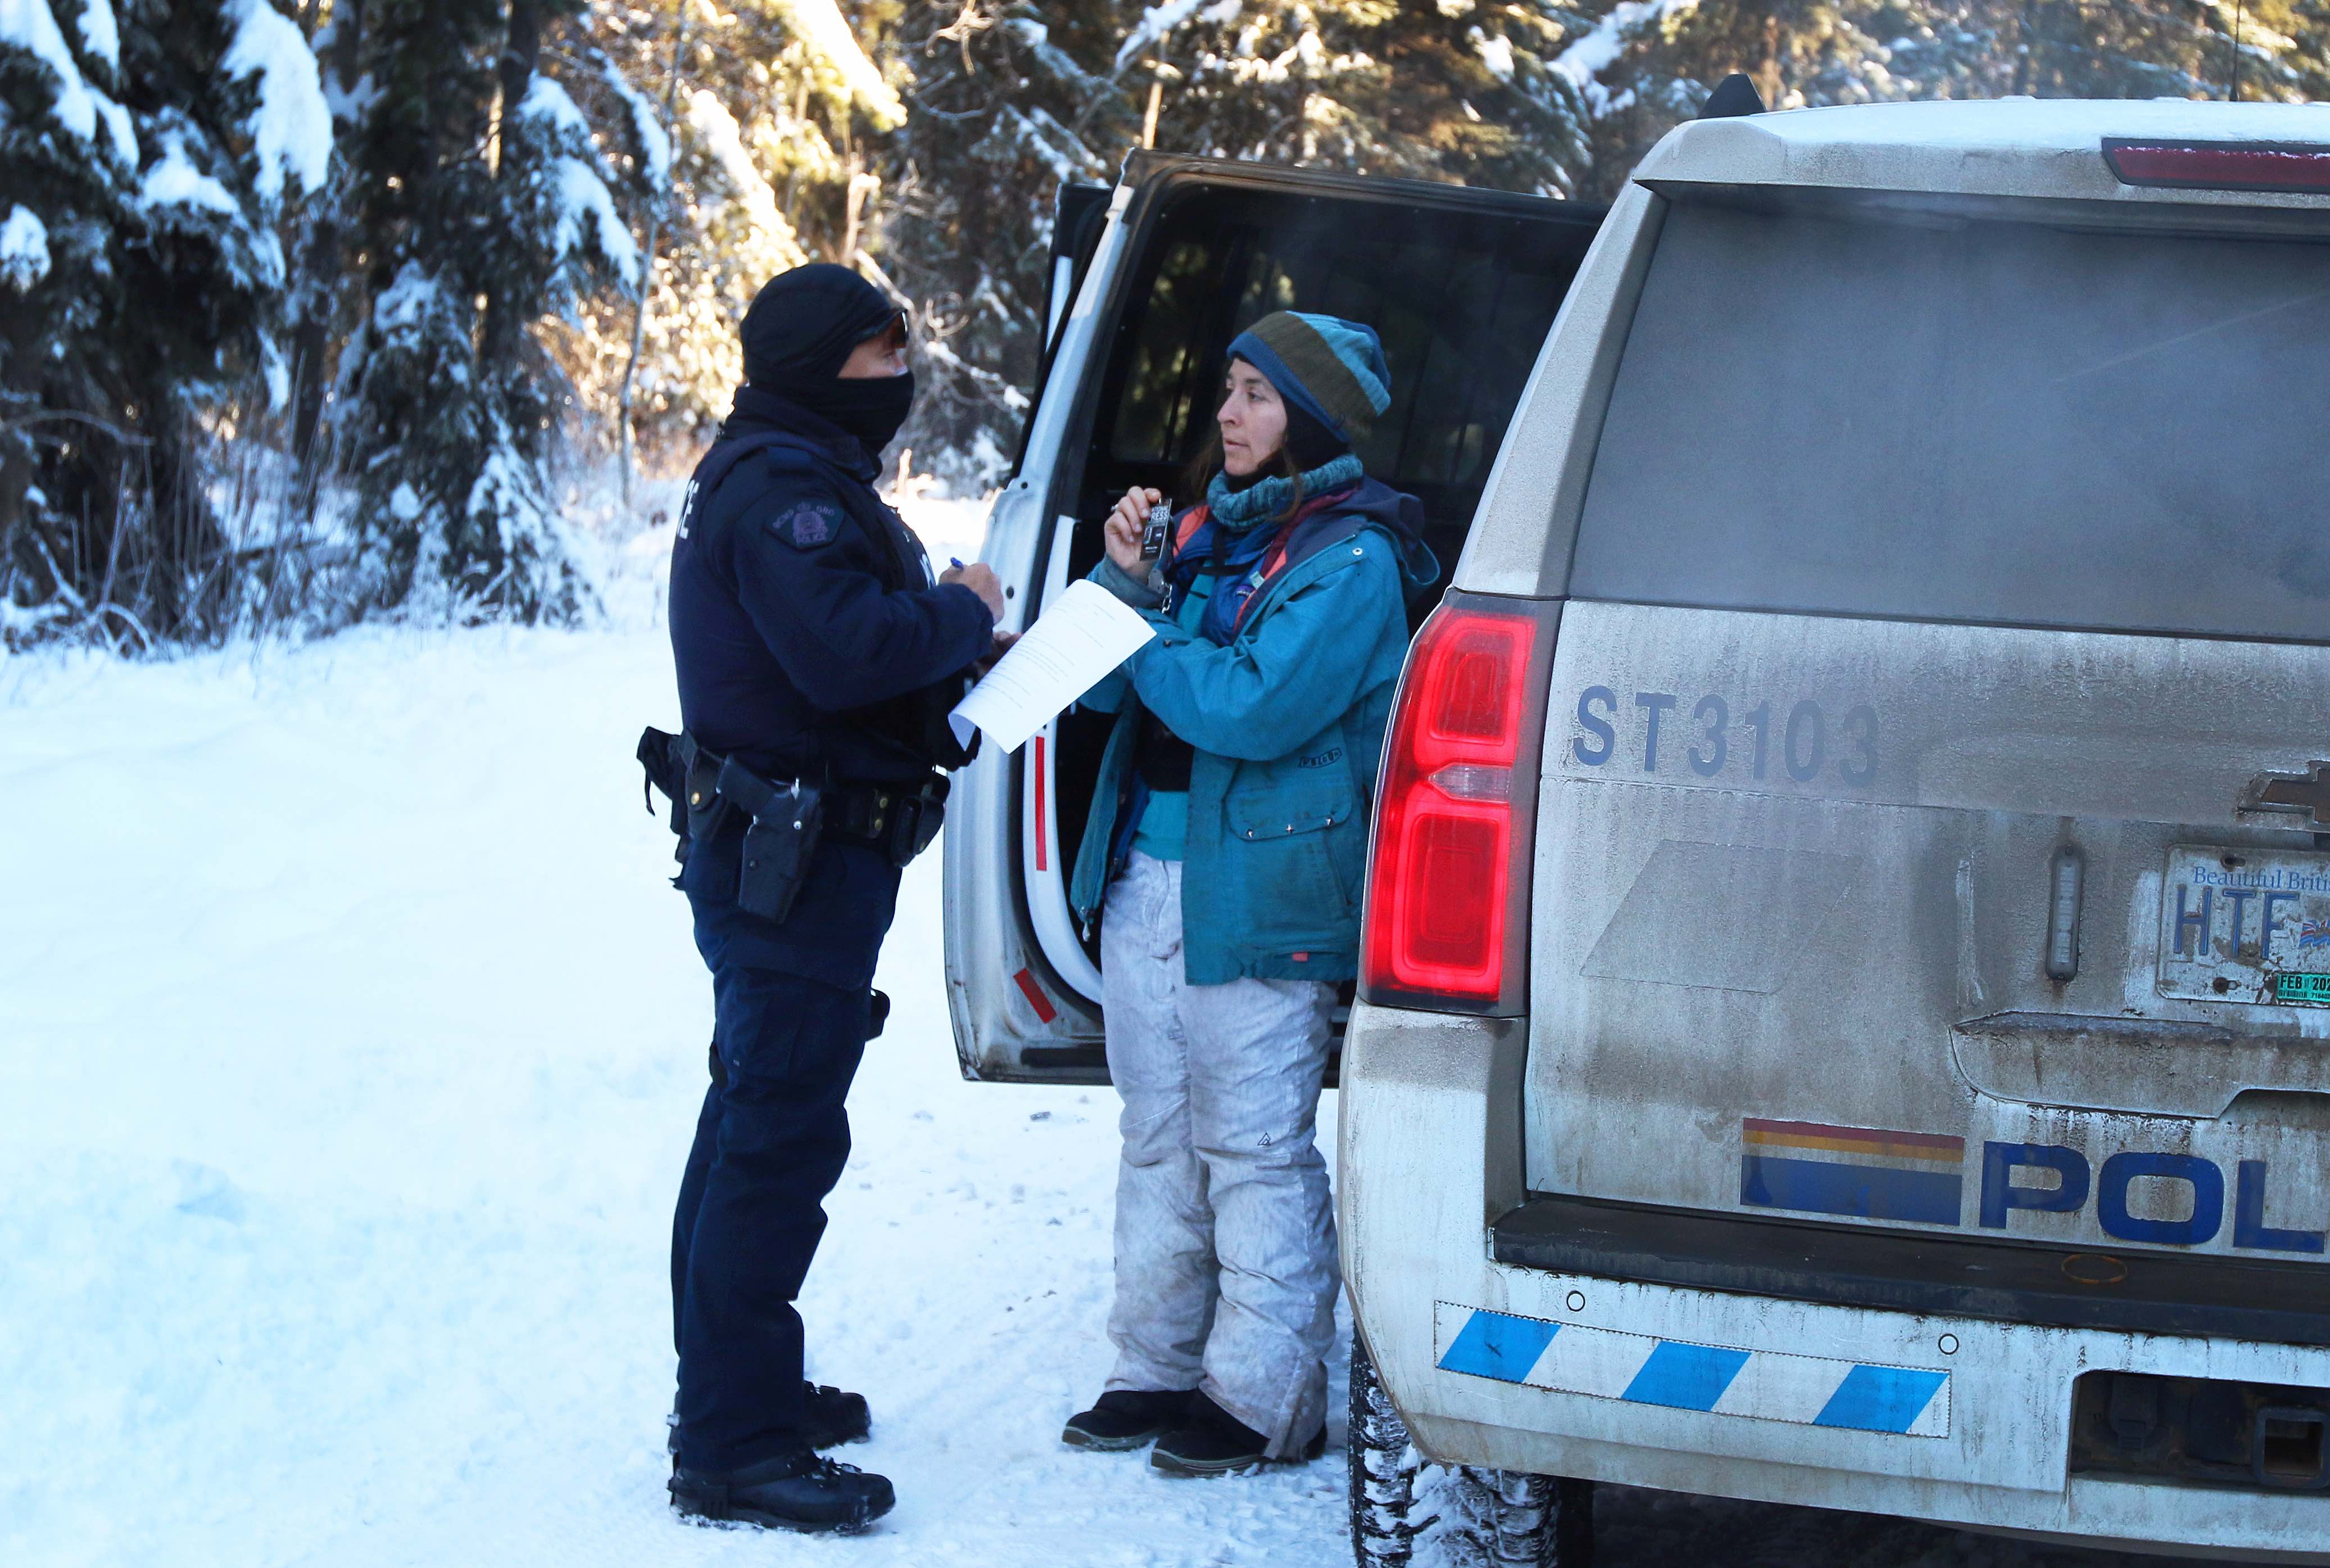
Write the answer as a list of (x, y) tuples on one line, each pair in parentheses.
[(706, 789), (901, 820)]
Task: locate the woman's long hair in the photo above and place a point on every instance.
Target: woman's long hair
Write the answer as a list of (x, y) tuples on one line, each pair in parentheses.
[(1201, 469)]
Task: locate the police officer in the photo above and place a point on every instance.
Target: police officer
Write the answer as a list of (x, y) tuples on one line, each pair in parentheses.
[(817, 660)]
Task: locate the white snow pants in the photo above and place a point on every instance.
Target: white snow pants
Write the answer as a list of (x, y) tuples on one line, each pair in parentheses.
[(1226, 1268)]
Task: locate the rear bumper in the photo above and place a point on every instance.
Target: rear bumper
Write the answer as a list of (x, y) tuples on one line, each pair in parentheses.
[(1919, 1271), (1949, 1415)]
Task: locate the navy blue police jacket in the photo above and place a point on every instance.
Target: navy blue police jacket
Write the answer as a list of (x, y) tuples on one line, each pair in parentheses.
[(803, 618)]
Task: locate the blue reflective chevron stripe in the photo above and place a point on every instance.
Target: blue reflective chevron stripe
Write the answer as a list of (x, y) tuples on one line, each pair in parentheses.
[(1494, 1345), (1680, 1375), (1880, 1399), (1685, 1376)]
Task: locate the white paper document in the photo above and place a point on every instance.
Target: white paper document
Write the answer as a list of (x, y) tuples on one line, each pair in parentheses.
[(1074, 644)]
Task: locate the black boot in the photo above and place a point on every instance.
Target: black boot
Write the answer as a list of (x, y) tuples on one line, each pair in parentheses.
[(833, 1417), (1214, 1442), (1128, 1418), (794, 1491)]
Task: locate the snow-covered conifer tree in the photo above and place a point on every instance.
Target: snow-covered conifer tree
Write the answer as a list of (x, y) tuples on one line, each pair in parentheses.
[(1008, 102), (486, 209), (1455, 90), (70, 151), (159, 149), (1649, 65), (776, 112), (1012, 100)]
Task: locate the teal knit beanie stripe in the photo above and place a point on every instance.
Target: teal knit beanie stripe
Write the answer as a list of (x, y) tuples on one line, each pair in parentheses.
[(1333, 368)]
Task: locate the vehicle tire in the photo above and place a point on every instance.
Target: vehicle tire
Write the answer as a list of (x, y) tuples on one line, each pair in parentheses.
[(1534, 1521), (1493, 1519), (1383, 1469)]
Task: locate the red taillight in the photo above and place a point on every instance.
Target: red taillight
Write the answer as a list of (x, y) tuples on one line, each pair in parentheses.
[(1448, 898), (2221, 166)]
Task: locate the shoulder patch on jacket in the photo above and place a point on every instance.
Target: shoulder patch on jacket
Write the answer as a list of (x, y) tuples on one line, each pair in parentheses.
[(806, 524)]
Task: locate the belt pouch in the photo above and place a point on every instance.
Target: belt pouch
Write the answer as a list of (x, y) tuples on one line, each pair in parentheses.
[(705, 804), (917, 828), (658, 756), (914, 821), (778, 848)]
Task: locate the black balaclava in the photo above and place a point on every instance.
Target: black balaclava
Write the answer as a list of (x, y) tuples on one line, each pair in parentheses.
[(799, 334)]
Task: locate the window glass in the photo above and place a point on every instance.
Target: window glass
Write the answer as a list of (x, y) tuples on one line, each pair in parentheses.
[(1462, 303), (1159, 385), (1970, 420)]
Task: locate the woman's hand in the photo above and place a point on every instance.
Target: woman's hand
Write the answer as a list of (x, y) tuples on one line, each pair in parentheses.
[(1124, 528)]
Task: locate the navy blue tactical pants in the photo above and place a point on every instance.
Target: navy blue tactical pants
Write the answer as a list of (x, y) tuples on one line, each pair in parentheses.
[(770, 1144)]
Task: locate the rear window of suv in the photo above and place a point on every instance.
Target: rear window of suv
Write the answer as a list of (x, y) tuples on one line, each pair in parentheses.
[(1962, 419)]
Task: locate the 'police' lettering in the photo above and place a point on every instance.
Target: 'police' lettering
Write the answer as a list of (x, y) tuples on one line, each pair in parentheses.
[(1999, 1194), (2250, 1228), (2207, 1182)]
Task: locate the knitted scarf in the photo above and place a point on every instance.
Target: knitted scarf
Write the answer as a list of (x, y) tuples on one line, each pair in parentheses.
[(1230, 544), (1270, 498)]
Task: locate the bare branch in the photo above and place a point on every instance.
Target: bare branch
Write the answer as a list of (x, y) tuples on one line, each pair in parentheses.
[(74, 416)]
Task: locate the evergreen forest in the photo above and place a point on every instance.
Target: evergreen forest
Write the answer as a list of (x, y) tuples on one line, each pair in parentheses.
[(312, 310)]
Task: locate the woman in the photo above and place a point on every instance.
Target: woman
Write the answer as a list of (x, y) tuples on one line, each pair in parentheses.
[(1227, 836)]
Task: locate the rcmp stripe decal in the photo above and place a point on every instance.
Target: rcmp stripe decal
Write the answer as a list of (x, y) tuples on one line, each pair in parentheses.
[(1763, 1384), (1867, 1172)]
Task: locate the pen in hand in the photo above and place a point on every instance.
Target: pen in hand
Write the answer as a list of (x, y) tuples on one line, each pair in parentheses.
[(991, 600)]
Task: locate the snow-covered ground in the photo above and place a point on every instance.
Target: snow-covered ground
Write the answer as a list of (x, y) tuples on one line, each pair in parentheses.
[(350, 1042)]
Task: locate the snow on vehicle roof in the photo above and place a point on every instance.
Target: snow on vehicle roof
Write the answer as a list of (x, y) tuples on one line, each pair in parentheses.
[(2004, 146), (2058, 124)]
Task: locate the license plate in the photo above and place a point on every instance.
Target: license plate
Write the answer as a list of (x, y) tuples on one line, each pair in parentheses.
[(2246, 926)]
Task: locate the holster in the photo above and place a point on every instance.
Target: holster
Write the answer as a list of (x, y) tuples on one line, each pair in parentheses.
[(787, 820)]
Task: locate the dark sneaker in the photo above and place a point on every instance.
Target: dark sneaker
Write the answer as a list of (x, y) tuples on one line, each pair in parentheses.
[(835, 1417), (1127, 1418), (795, 1491), (1214, 1442)]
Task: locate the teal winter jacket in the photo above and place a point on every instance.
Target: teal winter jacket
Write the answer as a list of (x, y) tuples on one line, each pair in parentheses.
[(1287, 725)]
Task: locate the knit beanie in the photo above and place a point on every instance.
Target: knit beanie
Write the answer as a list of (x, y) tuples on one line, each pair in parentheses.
[(1330, 368), (804, 322)]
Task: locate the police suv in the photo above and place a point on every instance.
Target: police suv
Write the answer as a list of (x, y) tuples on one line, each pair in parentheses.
[(1845, 1014)]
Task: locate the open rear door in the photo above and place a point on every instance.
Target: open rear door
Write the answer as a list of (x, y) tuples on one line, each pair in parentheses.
[(1463, 284)]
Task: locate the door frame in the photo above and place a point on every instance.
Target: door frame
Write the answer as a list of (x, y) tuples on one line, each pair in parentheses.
[(1024, 992)]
